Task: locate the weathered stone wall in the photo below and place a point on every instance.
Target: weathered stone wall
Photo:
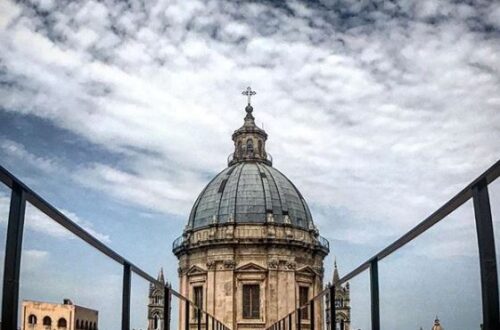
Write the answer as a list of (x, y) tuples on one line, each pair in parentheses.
[(279, 258)]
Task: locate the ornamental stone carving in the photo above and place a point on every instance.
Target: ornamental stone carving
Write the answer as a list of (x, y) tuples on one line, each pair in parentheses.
[(229, 264), (272, 264)]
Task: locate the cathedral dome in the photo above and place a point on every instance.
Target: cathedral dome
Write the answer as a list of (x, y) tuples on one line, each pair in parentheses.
[(250, 192)]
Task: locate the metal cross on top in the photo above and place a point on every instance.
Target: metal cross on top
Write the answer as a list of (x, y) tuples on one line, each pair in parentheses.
[(249, 92)]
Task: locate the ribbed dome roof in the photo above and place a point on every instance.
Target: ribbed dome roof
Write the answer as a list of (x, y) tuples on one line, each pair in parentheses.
[(250, 192)]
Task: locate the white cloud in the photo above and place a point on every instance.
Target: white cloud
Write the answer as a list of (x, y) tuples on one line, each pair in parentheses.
[(38, 222), (385, 115), (18, 150)]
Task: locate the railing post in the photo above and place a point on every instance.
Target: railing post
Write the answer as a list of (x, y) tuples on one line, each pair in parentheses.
[(333, 319), (487, 257), (198, 316), (312, 317), (299, 319), (290, 321), (375, 311), (206, 321), (12, 259), (166, 307), (213, 323), (126, 297), (186, 315)]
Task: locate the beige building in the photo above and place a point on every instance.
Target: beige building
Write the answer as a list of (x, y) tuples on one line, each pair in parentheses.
[(250, 253), (47, 316)]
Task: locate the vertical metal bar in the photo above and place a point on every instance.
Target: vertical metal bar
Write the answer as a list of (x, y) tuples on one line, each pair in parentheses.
[(166, 308), (311, 312), (12, 259), (213, 323), (375, 311), (290, 321), (332, 311), (126, 297), (186, 315), (198, 317), (206, 321), (487, 257), (283, 326), (299, 319)]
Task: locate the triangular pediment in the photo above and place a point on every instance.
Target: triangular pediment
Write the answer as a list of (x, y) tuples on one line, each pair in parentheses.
[(195, 270), (251, 267), (307, 271)]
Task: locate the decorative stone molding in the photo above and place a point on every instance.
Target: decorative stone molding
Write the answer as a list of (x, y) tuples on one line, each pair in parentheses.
[(211, 265), (271, 231), (291, 265), (181, 270), (229, 264), (231, 234), (273, 264)]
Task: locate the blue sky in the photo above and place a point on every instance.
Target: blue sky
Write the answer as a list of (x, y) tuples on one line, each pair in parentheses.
[(379, 111)]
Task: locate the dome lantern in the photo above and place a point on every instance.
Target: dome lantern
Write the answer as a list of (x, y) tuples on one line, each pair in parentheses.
[(249, 140)]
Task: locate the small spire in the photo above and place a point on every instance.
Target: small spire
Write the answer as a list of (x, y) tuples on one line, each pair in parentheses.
[(336, 276), (161, 278)]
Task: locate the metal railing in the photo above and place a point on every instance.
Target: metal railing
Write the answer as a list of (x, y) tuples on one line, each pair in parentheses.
[(12, 263), (478, 191), (323, 242)]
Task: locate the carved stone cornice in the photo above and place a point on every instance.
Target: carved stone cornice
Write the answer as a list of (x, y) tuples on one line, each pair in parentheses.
[(273, 264), (229, 264)]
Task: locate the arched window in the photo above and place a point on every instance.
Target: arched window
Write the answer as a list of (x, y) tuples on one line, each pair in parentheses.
[(86, 327), (260, 151), (240, 149), (32, 319), (78, 324), (47, 321), (62, 323), (250, 147), (156, 322)]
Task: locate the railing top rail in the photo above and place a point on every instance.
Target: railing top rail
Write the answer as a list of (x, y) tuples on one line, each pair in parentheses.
[(36, 200), (490, 175)]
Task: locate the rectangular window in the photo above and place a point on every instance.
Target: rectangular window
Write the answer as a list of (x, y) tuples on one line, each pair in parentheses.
[(251, 301), (303, 299), (198, 299)]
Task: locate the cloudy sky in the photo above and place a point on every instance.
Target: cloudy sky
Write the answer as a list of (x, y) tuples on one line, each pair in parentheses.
[(120, 112)]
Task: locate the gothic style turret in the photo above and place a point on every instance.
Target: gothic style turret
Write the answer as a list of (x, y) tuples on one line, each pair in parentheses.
[(342, 302), (155, 306)]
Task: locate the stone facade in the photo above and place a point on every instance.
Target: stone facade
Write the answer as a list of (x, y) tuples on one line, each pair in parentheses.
[(280, 259), (49, 316)]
